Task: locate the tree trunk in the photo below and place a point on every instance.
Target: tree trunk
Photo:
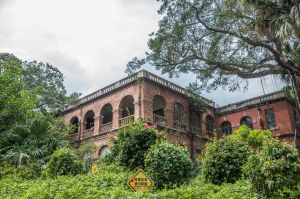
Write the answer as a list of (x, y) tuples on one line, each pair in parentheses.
[(296, 89)]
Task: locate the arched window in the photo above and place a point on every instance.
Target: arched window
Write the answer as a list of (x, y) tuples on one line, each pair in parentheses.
[(158, 106), (178, 113), (195, 119), (127, 105), (104, 150), (106, 113), (226, 128), (89, 120), (209, 124), (247, 121), (75, 122)]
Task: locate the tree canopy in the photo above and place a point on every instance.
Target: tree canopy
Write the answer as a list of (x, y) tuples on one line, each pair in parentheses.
[(48, 80), (220, 40)]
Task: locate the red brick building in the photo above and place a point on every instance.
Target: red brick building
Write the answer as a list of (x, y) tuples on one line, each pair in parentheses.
[(159, 101)]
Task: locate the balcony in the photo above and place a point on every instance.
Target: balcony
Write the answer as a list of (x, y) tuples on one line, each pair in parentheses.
[(179, 126), (88, 133), (126, 120), (105, 127), (73, 137), (196, 131), (160, 120)]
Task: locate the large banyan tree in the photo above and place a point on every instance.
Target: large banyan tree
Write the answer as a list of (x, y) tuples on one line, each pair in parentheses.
[(226, 42)]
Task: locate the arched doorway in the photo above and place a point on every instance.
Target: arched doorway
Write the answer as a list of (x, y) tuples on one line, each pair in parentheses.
[(226, 128), (158, 110), (107, 116), (247, 121), (127, 110)]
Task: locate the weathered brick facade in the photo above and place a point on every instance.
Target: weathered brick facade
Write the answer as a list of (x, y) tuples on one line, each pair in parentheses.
[(154, 99)]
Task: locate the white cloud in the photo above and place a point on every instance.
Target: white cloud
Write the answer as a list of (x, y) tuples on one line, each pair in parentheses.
[(90, 41)]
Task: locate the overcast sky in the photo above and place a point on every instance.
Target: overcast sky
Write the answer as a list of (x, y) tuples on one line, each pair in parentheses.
[(91, 41)]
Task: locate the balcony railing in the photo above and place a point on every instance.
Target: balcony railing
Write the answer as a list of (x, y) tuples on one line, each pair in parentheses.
[(73, 137), (160, 120), (105, 127), (88, 133), (125, 81), (179, 126), (126, 120), (196, 131)]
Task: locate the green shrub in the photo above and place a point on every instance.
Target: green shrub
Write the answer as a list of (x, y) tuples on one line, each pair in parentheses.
[(110, 183), (23, 171), (85, 153), (223, 160), (131, 143), (64, 161), (254, 138), (274, 170), (168, 165)]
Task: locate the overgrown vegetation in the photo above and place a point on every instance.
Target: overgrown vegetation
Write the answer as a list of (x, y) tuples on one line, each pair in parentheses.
[(110, 182), (274, 170), (224, 159), (29, 133), (64, 161), (36, 161), (132, 142), (168, 165)]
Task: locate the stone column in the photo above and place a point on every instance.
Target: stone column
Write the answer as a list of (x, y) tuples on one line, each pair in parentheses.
[(169, 115), (147, 110), (115, 118), (96, 125), (136, 110), (81, 126)]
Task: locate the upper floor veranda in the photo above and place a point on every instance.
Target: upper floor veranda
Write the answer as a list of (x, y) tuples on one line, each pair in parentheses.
[(141, 95)]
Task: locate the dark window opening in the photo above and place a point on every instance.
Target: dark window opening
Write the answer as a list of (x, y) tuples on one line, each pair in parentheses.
[(270, 117), (127, 106), (89, 121), (178, 113), (195, 120), (226, 128), (106, 113), (75, 123), (158, 106), (247, 121), (209, 124)]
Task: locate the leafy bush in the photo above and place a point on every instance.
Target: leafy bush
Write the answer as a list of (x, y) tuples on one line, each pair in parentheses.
[(274, 170), (131, 143), (64, 162), (31, 144), (254, 138), (24, 171), (84, 152), (109, 182), (223, 160), (168, 165)]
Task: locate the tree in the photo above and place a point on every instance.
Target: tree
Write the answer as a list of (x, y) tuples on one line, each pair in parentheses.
[(220, 40), (52, 94), (16, 103)]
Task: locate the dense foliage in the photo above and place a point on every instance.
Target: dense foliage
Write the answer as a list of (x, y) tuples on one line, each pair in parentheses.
[(168, 165), (110, 182), (131, 143), (48, 81), (23, 171), (254, 138), (226, 42), (274, 170), (64, 161), (84, 152), (224, 159), (16, 104), (30, 95)]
